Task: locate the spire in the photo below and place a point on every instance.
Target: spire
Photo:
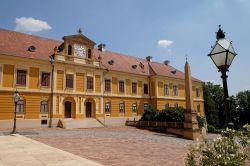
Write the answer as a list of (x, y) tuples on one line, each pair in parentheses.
[(186, 58), (188, 88)]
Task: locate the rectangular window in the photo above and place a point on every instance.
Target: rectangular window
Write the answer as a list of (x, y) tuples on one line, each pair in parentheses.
[(197, 92), (134, 87), (108, 85), (44, 106), (21, 77), (198, 108), (20, 106), (107, 107), (145, 89), (166, 92), (175, 90), (121, 86), (90, 83), (45, 79), (69, 80), (122, 107), (134, 107)]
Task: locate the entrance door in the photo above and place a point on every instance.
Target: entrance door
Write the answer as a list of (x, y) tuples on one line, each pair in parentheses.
[(67, 109), (88, 109)]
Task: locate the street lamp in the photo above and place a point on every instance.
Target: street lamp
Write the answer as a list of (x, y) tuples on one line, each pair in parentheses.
[(16, 98), (222, 54), (52, 62)]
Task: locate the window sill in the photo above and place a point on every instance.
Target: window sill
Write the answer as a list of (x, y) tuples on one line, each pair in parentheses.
[(20, 113), (44, 87), (44, 112), (21, 86)]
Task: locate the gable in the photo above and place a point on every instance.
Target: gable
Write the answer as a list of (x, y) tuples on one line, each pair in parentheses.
[(79, 38)]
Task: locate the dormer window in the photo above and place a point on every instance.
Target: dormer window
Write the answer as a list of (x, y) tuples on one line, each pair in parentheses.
[(173, 72), (89, 53), (111, 62), (134, 66), (32, 48), (69, 50), (141, 65)]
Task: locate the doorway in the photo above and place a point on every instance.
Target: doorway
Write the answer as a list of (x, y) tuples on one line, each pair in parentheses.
[(88, 109), (67, 109)]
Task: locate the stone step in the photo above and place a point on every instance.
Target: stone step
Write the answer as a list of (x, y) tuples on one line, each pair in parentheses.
[(69, 123)]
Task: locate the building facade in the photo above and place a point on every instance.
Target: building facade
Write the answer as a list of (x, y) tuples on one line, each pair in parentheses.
[(84, 81)]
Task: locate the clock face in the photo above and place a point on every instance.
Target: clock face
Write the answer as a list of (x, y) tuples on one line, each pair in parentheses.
[(79, 50)]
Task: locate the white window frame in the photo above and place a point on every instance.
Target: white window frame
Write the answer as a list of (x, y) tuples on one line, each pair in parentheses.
[(175, 93)]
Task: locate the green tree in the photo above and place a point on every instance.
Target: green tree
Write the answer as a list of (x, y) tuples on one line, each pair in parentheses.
[(243, 107), (214, 105)]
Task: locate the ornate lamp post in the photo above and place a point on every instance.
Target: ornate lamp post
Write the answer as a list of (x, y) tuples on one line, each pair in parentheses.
[(16, 98), (222, 54), (52, 61)]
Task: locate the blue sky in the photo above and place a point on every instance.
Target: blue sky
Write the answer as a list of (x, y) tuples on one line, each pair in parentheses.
[(135, 27)]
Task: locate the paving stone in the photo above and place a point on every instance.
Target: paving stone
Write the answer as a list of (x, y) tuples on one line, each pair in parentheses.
[(121, 146)]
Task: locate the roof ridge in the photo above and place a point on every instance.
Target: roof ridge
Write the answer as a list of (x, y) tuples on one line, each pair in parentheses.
[(131, 56), (26, 34)]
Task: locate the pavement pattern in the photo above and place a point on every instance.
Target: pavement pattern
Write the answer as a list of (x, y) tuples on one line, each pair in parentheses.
[(17, 150), (113, 146)]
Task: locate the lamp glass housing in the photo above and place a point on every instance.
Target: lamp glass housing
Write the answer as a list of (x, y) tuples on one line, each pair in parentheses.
[(222, 54), (16, 96)]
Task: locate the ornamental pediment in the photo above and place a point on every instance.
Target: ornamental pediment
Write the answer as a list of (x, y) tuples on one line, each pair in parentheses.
[(79, 38)]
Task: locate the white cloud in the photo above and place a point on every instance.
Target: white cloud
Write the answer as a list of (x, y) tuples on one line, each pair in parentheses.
[(31, 25), (165, 43)]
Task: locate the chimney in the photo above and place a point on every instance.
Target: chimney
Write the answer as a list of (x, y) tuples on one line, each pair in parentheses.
[(166, 62), (149, 58), (101, 47)]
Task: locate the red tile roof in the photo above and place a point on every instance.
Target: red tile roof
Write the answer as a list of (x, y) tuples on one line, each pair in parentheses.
[(17, 44), (122, 62)]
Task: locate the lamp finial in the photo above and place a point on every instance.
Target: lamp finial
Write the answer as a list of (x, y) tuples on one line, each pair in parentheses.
[(220, 34)]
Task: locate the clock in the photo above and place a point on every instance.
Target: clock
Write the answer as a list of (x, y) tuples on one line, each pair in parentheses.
[(79, 50)]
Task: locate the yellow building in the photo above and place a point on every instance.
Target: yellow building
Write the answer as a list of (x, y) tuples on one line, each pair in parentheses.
[(87, 81)]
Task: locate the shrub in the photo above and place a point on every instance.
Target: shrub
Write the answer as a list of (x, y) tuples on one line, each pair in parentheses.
[(149, 114), (201, 121), (170, 114), (229, 149), (210, 128)]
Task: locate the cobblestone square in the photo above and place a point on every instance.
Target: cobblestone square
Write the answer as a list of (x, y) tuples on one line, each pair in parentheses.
[(116, 145)]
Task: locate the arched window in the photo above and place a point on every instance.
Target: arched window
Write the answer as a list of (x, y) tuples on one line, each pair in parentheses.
[(89, 53), (69, 50), (20, 106), (44, 106)]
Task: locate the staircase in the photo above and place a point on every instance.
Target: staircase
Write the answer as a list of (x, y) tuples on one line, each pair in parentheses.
[(79, 124)]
